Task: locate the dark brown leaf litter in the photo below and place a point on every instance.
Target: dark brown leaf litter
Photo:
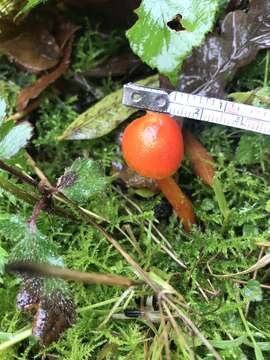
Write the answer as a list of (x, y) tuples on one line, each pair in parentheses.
[(211, 66), (31, 44), (55, 312), (65, 37)]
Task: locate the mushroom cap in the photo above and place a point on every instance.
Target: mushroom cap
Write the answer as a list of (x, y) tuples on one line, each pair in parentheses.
[(152, 145)]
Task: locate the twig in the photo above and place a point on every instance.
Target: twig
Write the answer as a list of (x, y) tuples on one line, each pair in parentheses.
[(37, 170), (183, 344), (18, 174), (193, 327), (38, 269)]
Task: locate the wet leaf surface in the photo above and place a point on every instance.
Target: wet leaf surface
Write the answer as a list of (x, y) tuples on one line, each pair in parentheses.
[(166, 32), (33, 91), (30, 44), (211, 66), (54, 312)]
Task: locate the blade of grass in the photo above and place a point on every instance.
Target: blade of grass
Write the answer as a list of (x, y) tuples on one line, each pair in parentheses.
[(16, 338)]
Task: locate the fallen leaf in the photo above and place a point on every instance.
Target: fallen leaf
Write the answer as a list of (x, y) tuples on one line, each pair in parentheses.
[(104, 116), (201, 160), (211, 66), (33, 91), (30, 44), (54, 311)]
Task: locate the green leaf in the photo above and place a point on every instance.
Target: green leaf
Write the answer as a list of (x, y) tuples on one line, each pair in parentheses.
[(245, 150), (252, 149), (29, 242), (267, 206), (154, 39), (222, 203), (104, 116), (252, 291), (83, 180), (3, 260), (15, 140), (2, 110)]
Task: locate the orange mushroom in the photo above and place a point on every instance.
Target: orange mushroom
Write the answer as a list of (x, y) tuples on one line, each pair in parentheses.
[(152, 145)]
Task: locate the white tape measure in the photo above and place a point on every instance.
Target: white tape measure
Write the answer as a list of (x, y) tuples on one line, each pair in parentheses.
[(198, 107)]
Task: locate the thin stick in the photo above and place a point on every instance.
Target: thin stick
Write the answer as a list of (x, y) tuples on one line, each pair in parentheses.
[(37, 170), (68, 274), (182, 342), (194, 328), (18, 174)]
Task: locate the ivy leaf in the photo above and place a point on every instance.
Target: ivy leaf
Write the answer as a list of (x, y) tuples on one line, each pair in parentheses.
[(211, 66), (16, 139), (83, 180), (166, 32), (49, 297), (104, 116)]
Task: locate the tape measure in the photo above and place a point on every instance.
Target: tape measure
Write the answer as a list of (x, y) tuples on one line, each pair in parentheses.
[(198, 107)]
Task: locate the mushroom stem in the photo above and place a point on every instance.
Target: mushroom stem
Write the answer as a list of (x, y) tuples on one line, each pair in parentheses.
[(181, 204)]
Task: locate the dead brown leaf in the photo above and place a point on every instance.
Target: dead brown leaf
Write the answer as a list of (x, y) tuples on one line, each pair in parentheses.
[(55, 312), (30, 44), (33, 91)]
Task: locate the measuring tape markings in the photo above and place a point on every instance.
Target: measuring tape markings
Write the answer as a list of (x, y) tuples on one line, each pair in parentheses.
[(219, 112), (198, 107)]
